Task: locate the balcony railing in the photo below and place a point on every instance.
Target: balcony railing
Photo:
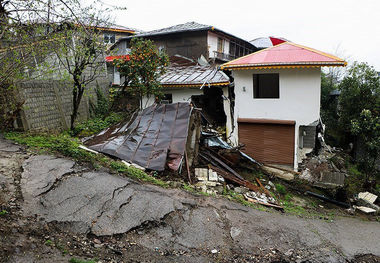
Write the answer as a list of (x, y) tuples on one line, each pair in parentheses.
[(223, 56)]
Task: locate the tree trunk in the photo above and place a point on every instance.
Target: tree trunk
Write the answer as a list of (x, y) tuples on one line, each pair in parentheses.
[(77, 97)]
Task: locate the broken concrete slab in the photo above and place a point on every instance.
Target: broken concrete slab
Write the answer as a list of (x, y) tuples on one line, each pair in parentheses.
[(104, 204), (8, 146), (212, 176), (330, 180), (365, 209), (367, 196), (201, 174), (288, 176), (94, 202), (41, 173)]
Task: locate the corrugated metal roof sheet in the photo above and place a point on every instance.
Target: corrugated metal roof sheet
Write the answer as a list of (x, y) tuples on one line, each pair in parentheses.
[(156, 137), (194, 75), (189, 26), (287, 53)]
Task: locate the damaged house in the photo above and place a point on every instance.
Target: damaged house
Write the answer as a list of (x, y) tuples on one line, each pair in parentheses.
[(267, 99), (194, 50), (277, 102)]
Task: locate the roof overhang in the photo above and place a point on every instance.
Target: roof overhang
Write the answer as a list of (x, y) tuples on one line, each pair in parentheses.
[(194, 85), (284, 66), (285, 55)]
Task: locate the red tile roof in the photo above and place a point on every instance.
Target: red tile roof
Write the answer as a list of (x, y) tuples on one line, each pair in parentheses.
[(285, 55), (112, 58)]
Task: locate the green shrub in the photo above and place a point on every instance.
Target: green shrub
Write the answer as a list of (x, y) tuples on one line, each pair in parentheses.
[(102, 104), (280, 189), (61, 143), (95, 125), (3, 212)]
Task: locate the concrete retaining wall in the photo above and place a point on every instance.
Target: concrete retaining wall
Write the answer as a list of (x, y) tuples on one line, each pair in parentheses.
[(48, 103)]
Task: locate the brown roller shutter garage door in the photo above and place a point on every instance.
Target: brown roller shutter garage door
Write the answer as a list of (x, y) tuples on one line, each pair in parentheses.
[(268, 141)]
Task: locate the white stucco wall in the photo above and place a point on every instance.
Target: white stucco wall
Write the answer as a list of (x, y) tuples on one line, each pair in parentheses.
[(212, 41), (178, 95), (299, 99)]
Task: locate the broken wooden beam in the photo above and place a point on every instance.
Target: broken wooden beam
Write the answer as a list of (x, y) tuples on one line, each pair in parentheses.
[(221, 163), (232, 178), (254, 201)]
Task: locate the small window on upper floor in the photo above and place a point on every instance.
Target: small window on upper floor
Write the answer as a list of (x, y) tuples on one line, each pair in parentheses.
[(109, 38), (220, 46), (266, 86), (167, 99)]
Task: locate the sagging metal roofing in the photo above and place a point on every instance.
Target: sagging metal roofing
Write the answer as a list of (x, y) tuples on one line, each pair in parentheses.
[(154, 138), (193, 76)]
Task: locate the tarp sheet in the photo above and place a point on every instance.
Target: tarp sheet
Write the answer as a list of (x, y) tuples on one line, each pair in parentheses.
[(153, 138)]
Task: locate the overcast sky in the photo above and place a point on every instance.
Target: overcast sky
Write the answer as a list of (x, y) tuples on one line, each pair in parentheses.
[(347, 28)]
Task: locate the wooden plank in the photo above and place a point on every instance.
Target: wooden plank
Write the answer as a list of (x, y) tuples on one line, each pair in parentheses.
[(232, 178), (264, 204)]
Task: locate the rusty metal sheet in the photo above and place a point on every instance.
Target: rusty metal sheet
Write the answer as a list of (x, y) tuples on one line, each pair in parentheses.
[(154, 138)]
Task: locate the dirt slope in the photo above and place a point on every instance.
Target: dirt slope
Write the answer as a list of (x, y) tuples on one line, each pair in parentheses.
[(57, 210)]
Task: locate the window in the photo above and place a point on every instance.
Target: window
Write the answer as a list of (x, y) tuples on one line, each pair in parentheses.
[(167, 99), (161, 48), (266, 86), (109, 38), (220, 45)]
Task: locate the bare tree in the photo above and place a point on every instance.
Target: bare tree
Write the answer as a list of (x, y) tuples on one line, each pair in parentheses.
[(82, 56), (31, 30)]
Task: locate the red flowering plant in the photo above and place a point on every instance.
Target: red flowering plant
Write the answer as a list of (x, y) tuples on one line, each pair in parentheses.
[(142, 68)]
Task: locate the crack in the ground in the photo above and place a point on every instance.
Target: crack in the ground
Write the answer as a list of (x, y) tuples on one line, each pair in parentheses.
[(126, 202), (56, 182), (103, 208), (119, 189)]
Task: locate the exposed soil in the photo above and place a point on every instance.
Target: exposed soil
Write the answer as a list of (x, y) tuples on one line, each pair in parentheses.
[(57, 210)]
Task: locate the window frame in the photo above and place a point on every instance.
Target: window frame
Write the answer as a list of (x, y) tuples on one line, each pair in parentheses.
[(110, 37), (256, 86)]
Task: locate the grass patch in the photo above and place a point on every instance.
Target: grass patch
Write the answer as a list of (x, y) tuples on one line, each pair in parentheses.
[(289, 207), (188, 188), (3, 212), (75, 260), (136, 173), (59, 143), (95, 125), (48, 242), (231, 195), (280, 189)]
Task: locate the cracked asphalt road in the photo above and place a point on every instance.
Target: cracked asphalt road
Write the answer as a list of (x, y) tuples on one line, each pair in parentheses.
[(58, 191)]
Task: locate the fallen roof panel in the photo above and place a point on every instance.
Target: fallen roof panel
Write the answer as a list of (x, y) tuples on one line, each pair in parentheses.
[(153, 138)]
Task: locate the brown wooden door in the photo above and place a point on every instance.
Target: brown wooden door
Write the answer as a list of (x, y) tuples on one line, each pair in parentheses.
[(271, 143)]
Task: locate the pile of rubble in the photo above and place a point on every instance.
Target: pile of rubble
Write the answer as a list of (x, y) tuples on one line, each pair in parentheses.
[(210, 182), (365, 202), (325, 170)]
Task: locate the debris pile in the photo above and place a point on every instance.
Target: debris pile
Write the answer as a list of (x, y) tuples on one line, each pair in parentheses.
[(223, 161), (325, 170), (208, 181), (365, 202)]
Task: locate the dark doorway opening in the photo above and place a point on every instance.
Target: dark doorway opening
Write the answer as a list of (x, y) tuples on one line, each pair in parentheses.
[(211, 103)]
